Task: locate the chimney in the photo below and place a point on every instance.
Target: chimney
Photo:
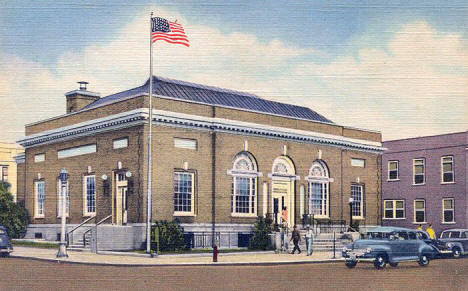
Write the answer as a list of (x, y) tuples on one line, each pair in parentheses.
[(78, 99)]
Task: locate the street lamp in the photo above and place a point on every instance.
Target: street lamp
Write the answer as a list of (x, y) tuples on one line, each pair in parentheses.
[(351, 201), (62, 252)]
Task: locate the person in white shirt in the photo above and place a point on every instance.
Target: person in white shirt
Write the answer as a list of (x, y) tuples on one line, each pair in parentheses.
[(309, 236)]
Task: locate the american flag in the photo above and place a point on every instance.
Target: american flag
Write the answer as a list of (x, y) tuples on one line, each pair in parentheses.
[(168, 31)]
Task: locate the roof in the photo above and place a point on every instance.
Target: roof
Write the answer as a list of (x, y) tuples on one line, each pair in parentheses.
[(213, 96), (390, 229)]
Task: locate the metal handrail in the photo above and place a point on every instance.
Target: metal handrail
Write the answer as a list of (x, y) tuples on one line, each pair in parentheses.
[(88, 230), (75, 228)]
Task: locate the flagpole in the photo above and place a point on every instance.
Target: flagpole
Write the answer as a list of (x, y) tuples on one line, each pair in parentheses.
[(150, 121)]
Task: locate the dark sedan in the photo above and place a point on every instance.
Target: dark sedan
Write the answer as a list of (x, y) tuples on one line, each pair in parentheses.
[(5, 243)]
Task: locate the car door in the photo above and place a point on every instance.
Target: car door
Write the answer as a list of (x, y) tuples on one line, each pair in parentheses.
[(413, 244), (400, 248)]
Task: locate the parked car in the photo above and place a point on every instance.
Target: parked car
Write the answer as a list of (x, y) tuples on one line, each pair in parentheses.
[(391, 245), (456, 240), (5, 243), (441, 248)]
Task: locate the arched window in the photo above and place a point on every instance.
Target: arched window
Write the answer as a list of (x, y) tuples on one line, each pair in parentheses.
[(244, 185), (319, 185)]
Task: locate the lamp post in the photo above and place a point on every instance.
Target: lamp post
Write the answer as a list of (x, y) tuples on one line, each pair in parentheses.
[(351, 200), (62, 252)]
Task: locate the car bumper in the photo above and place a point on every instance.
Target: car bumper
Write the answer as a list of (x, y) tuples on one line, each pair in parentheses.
[(8, 250), (358, 256)]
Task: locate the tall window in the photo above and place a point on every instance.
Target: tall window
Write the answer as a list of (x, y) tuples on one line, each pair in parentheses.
[(420, 210), (89, 195), (394, 209), (393, 170), (419, 166), (357, 193), (244, 185), (4, 173), (319, 189), (39, 199), (59, 199), (447, 169), (183, 193), (448, 209)]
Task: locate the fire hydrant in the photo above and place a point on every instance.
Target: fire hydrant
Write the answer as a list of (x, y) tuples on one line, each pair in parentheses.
[(215, 253)]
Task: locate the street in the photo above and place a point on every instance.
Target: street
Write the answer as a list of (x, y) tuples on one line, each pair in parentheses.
[(26, 274)]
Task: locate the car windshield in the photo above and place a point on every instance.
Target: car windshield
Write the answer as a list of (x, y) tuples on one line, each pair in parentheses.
[(445, 235), (377, 235)]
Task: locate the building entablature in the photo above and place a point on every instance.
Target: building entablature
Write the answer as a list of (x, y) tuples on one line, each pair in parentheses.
[(168, 118)]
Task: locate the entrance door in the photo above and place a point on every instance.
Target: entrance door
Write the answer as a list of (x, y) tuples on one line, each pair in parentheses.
[(281, 194), (120, 205)]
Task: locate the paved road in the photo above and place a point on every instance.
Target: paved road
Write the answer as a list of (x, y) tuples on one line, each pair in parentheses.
[(25, 274)]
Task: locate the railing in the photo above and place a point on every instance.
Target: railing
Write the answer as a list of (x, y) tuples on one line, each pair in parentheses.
[(330, 226), (222, 239), (69, 235), (87, 231)]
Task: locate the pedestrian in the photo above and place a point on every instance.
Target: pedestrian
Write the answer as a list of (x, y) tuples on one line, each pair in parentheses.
[(420, 227), (284, 217), (296, 238), (309, 236), (431, 231)]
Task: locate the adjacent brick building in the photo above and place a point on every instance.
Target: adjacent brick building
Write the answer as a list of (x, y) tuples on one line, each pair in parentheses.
[(425, 181), (217, 154)]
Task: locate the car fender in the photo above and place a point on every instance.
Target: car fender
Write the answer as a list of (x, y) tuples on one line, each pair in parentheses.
[(456, 244), (426, 249), (377, 249)]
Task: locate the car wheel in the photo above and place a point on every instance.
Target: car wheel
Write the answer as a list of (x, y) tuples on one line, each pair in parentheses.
[(423, 260), (456, 252), (350, 264), (393, 265), (380, 261)]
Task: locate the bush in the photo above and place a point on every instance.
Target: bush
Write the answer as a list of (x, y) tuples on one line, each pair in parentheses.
[(171, 235), (13, 216), (261, 239)]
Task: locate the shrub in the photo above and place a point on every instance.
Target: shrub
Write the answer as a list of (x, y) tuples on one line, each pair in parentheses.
[(171, 235), (13, 216), (261, 239)]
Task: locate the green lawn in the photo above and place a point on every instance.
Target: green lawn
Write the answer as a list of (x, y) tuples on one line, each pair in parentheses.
[(43, 245)]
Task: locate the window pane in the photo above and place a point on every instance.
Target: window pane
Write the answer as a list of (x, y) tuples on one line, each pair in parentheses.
[(389, 204), (120, 143), (419, 179), (419, 204), (389, 213), (358, 163), (392, 165), (399, 204), (420, 216), (448, 216), (76, 151), (393, 175), (419, 169), (400, 213), (183, 192), (448, 177), (184, 143), (454, 234), (448, 204), (356, 194), (447, 167), (91, 194)]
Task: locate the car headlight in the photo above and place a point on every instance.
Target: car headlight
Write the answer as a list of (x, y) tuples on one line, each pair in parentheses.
[(450, 245), (368, 250), (345, 249)]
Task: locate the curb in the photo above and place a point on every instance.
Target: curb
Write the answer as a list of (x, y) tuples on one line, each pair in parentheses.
[(60, 261)]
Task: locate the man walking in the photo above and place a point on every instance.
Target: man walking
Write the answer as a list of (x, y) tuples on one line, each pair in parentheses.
[(309, 236), (296, 238)]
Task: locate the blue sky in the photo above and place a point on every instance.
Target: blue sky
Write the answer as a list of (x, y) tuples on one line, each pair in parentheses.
[(331, 46)]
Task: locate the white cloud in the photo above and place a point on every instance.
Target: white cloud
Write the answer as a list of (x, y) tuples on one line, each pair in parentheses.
[(417, 86)]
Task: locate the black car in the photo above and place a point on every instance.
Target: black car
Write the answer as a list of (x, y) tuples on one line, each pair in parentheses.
[(5, 243), (440, 247)]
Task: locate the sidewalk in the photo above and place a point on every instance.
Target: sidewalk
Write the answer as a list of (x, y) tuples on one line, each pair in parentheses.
[(122, 259)]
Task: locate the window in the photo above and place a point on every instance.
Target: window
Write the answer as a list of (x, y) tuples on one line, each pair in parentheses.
[(39, 158), (420, 211), (412, 235), (244, 185), (358, 163), (89, 195), (419, 171), (394, 209), (447, 170), (402, 235), (448, 210), (422, 235), (185, 143), (183, 193), (319, 189), (120, 143), (393, 170), (4, 173), (59, 199), (77, 151), (39, 199), (357, 194)]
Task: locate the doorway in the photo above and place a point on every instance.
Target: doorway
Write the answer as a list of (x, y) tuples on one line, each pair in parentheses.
[(120, 199)]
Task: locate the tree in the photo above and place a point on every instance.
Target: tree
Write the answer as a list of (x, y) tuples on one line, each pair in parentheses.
[(13, 216), (261, 234)]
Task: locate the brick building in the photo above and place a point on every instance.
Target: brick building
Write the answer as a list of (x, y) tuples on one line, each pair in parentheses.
[(217, 154), (425, 181)]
